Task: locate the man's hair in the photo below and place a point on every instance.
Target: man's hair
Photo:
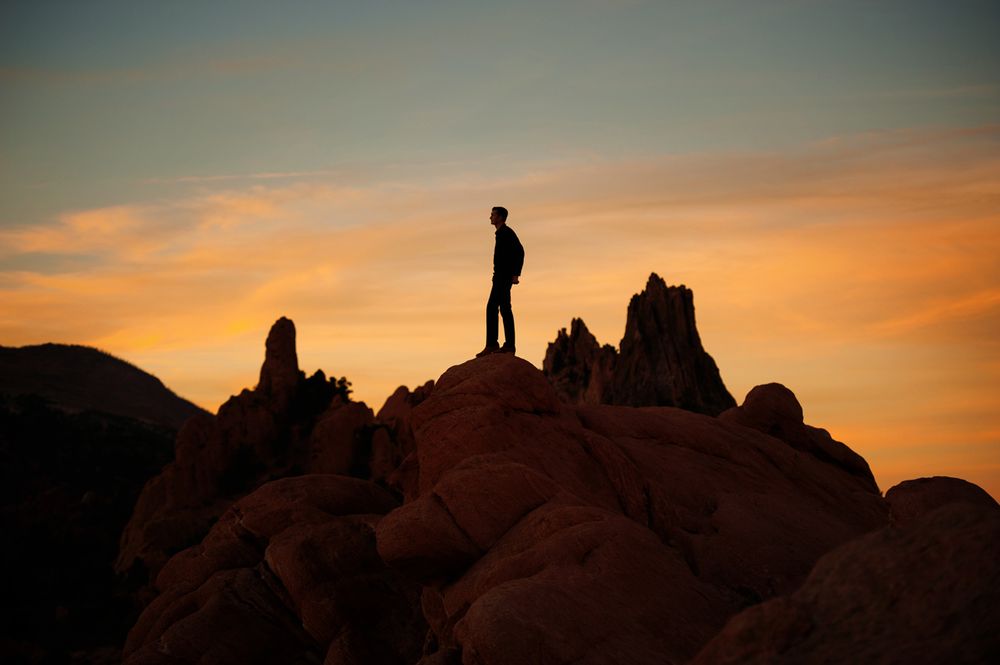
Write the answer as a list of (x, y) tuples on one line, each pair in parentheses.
[(500, 210)]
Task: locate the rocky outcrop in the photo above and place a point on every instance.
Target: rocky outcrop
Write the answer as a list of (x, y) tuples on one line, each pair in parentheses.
[(580, 369), (928, 592), (287, 425), (534, 530), (280, 375), (544, 532), (660, 362), (289, 574), (912, 499), (773, 409)]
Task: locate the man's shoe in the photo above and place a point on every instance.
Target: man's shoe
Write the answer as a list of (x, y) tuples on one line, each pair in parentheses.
[(488, 350), (506, 349)]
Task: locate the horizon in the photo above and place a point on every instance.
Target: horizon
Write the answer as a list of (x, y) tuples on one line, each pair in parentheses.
[(824, 177)]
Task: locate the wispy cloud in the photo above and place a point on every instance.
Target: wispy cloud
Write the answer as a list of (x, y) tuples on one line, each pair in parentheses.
[(862, 272)]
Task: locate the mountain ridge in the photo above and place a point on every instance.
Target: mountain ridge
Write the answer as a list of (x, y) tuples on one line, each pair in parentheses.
[(76, 377)]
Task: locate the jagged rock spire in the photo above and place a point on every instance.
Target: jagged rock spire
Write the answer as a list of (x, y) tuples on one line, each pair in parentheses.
[(661, 361), (279, 375), (578, 367)]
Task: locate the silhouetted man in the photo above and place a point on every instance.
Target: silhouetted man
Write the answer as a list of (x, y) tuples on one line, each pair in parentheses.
[(508, 258)]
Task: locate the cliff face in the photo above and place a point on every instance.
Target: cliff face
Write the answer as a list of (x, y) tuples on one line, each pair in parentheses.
[(661, 361)]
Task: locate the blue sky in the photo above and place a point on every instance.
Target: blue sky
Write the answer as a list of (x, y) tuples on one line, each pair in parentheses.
[(100, 98), (825, 176)]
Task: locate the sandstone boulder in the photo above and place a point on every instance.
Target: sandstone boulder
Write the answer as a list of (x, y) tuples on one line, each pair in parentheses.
[(928, 592), (544, 532), (912, 499), (773, 409), (289, 574)]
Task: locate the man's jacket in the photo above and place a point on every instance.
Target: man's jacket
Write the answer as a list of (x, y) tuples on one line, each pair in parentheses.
[(508, 254)]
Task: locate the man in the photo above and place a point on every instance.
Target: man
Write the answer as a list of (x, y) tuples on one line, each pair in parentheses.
[(508, 259)]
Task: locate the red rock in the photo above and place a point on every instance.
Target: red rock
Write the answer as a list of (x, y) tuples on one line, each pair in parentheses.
[(515, 487), (279, 375), (580, 369), (289, 574), (534, 530), (576, 584), (337, 439), (773, 409), (928, 593), (286, 426), (661, 361), (912, 499)]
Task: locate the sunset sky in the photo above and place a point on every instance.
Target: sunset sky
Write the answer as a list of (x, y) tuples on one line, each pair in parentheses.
[(825, 176)]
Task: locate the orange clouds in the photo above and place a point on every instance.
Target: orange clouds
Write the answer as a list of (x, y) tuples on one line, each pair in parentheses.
[(861, 272)]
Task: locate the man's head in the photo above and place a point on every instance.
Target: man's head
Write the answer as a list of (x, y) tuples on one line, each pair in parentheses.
[(498, 217)]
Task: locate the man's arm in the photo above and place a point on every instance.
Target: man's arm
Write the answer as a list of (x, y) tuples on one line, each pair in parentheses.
[(518, 258)]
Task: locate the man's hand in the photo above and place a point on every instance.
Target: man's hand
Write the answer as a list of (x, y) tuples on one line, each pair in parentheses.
[(515, 280)]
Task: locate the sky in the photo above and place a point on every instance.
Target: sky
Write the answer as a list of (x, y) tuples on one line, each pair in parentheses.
[(825, 176)]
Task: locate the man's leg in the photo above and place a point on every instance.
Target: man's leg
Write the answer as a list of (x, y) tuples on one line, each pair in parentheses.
[(508, 319), (492, 328)]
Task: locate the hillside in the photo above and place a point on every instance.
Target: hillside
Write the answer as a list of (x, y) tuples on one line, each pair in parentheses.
[(79, 378)]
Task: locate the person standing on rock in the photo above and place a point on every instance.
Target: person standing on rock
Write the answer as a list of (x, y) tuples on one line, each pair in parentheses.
[(508, 259)]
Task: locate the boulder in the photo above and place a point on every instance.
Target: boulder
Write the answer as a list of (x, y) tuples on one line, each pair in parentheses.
[(288, 574), (928, 592), (546, 532), (911, 499), (773, 409)]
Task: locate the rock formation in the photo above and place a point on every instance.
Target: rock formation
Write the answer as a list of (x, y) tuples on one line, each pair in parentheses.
[(912, 499), (534, 530), (928, 592), (548, 533), (580, 369), (289, 574), (661, 361), (773, 410), (287, 425)]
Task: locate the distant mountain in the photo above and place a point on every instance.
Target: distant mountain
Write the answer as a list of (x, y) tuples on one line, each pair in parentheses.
[(80, 378)]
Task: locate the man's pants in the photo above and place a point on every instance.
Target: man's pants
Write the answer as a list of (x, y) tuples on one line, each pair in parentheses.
[(500, 298)]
